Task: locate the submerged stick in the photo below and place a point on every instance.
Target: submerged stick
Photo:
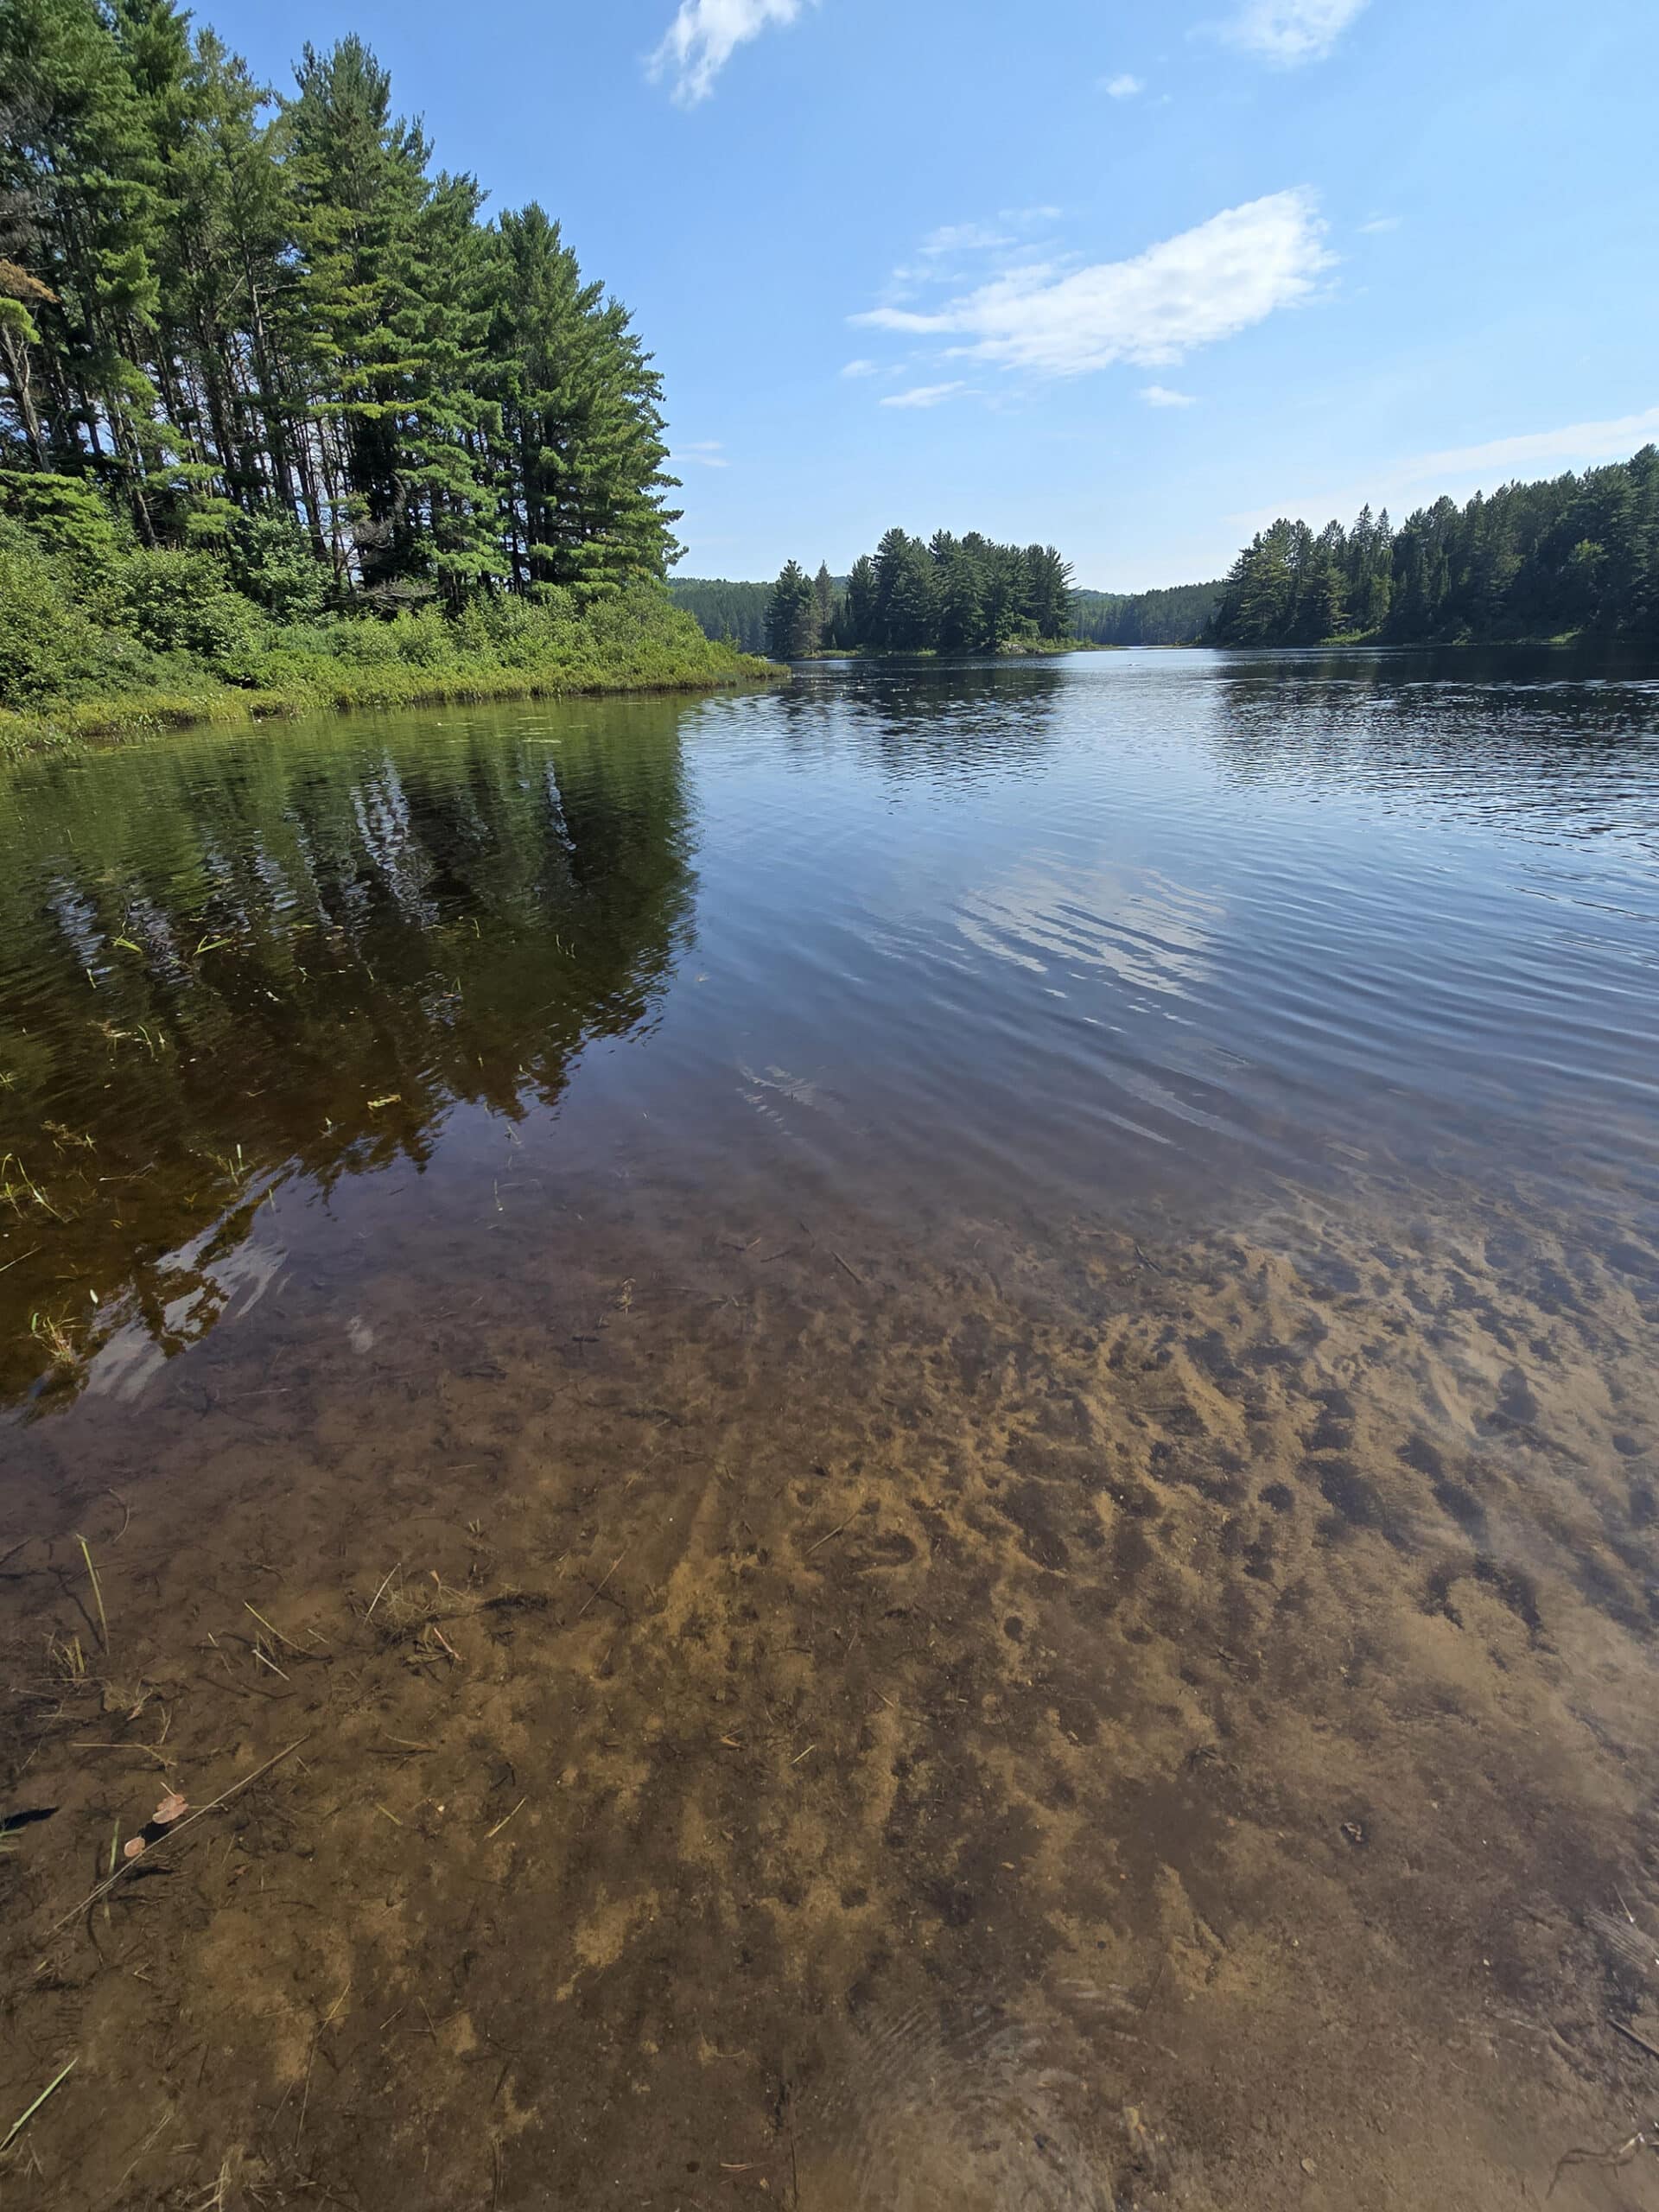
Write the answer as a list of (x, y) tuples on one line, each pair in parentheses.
[(599, 1588), (277, 1632), (149, 1750), (173, 1833), (1631, 2036), (499, 1825), (380, 1593), (835, 1531)]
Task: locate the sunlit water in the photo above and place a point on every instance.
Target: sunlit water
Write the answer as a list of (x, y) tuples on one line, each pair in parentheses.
[(1034, 1289), (1024, 939)]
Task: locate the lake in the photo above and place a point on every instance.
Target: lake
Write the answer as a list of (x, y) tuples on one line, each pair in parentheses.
[(919, 1412)]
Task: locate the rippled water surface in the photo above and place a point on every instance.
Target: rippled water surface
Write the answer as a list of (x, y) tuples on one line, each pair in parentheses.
[(1029, 937), (934, 1393)]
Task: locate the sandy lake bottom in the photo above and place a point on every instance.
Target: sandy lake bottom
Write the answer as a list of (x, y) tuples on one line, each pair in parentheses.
[(896, 1449)]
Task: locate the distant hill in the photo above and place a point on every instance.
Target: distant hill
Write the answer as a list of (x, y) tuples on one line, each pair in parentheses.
[(1176, 616), (734, 611)]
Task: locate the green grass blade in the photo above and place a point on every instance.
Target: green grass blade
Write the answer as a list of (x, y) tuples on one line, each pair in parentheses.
[(18, 2126)]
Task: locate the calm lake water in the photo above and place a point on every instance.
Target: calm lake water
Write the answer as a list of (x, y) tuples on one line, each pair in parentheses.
[(937, 1393), (1143, 928)]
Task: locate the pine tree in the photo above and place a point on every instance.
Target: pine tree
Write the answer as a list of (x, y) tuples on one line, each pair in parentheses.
[(581, 434), (823, 599), (906, 597), (1048, 592), (393, 309), (1258, 599), (863, 596), (77, 165), (792, 615), (962, 599)]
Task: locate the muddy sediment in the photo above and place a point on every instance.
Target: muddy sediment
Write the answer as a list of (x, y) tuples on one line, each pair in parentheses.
[(796, 1710)]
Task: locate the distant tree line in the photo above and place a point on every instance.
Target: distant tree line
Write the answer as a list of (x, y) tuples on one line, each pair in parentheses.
[(731, 614), (944, 594), (265, 331), (1574, 554), (1178, 616)]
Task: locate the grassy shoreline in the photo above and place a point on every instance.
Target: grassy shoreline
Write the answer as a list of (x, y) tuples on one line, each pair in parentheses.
[(128, 716)]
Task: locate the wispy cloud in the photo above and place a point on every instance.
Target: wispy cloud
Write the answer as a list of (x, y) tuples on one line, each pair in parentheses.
[(1124, 88), (1205, 285), (854, 369), (925, 395), (1289, 33), (964, 238), (1379, 225), (945, 255), (1576, 446), (708, 453), (704, 36), (1461, 470), (1160, 395)]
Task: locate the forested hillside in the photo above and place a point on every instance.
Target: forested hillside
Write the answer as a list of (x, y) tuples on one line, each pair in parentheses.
[(266, 370), (734, 612), (944, 594), (1576, 554), (1176, 616)]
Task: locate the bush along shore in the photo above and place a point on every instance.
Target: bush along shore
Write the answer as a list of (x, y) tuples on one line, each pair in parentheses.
[(148, 640)]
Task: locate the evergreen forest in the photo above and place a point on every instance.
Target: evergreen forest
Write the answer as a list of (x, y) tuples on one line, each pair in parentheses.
[(1179, 615), (943, 594), (732, 612), (276, 394), (1578, 555)]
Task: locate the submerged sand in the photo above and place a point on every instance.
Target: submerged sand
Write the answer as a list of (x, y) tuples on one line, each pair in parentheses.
[(799, 1710)]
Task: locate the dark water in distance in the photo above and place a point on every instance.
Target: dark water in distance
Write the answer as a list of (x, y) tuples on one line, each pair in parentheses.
[(1159, 930)]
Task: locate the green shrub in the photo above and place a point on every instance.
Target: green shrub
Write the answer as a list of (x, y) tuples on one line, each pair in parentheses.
[(362, 641), (180, 602), (67, 518), (47, 645), (271, 562), (424, 640)]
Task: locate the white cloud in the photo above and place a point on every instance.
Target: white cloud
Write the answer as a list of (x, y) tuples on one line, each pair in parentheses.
[(1575, 447), (964, 238), (1160, 395), (1379, 225), (925, 395), (1207, 284), (862, 369), (708, 453), (704, 36), (1460, 471), (1123, 88), (1291, 32)]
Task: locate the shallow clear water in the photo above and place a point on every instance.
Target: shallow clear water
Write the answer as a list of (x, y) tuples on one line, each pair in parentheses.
[(920, 1413)]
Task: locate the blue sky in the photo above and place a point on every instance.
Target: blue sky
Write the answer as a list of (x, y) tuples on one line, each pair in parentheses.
[(1130, 277)]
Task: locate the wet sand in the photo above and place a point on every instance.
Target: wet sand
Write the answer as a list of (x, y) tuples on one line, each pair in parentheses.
[(846, 1711)]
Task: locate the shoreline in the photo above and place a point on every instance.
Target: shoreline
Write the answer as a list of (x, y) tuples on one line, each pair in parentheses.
[(138, 716)]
